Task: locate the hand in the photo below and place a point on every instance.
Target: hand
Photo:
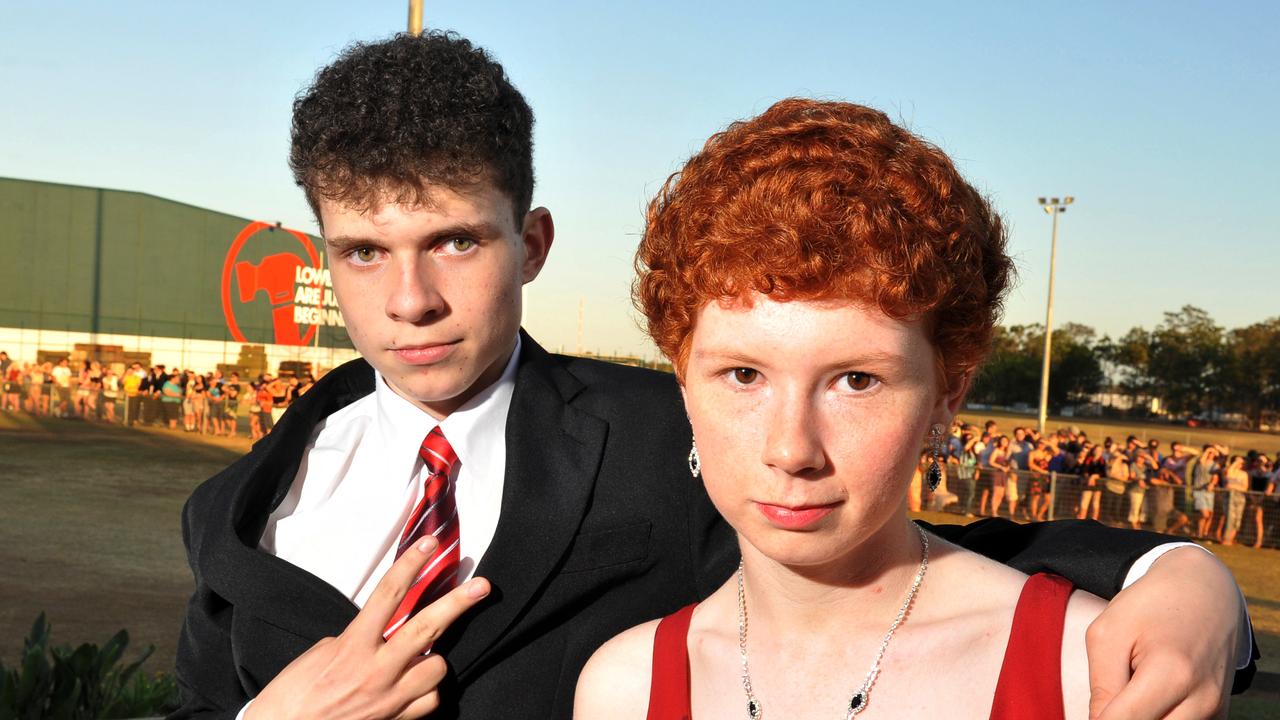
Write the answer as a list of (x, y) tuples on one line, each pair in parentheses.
[(358, 674), (1177, 629)]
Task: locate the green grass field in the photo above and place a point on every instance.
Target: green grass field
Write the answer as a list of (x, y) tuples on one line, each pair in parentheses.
[(90, 534)]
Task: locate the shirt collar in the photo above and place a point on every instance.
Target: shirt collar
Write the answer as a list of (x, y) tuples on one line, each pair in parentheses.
[(474, 431)]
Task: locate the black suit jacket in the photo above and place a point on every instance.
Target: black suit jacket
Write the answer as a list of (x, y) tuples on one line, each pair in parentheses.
[(601, 528)]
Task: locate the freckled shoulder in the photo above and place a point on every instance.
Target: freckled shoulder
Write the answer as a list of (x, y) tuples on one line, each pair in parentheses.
[(615, 682)]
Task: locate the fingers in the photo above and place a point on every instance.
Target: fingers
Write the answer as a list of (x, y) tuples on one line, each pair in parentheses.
[(386, 595), (430, 622), (423, 681), (421, 707), (1165, 688), (1108, 668)]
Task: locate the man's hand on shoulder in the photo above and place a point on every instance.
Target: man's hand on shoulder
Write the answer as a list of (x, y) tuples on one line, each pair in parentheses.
[(358, 674), (1166, 646)]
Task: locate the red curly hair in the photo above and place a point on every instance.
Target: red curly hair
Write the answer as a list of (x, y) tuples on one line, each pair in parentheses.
[(825, 200)]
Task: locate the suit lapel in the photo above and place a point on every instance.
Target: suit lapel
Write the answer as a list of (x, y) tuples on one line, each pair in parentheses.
[(266, 586), (553, 455)]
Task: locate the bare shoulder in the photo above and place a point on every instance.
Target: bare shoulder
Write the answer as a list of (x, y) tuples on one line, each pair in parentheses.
[(1082, 609), (982, 583), (615, 681)]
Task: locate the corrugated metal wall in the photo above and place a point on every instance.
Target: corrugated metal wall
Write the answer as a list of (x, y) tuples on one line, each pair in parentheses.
[(107, 261)]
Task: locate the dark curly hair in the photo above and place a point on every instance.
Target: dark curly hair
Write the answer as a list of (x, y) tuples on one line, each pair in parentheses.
[(825, 200), (387, 119)]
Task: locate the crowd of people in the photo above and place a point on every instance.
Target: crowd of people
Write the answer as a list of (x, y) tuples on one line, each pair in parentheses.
[(1209, 494), (208, 403)]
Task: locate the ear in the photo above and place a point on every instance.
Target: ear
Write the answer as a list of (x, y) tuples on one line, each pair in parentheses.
[(951, 399), (536, 236)]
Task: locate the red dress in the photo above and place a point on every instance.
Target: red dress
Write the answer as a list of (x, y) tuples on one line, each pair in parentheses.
[(1030, 684)]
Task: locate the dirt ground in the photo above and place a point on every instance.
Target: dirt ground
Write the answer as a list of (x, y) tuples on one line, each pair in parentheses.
[(90, 531)]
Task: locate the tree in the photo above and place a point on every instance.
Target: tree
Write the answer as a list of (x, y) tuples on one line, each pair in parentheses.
[(1186, 359), (1251, 372), (1012, 372)]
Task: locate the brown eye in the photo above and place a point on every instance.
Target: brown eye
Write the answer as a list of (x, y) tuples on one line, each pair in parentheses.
[(858, 381), (365, 254), (746, 376)]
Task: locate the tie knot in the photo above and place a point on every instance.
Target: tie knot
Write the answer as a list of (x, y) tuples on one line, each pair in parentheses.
[(437, 453)]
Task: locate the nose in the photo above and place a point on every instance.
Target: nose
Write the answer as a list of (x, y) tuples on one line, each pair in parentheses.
[(415, 292), (793, 443)]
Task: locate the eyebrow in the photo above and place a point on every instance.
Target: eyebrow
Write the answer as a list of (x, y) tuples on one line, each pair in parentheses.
[(340, 243), (874, 358)]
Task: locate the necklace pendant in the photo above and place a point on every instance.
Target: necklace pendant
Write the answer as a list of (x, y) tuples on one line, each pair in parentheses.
[(857, 704), (753, 709)]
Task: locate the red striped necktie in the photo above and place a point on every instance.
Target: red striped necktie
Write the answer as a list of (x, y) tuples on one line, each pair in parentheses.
[(436, 514)]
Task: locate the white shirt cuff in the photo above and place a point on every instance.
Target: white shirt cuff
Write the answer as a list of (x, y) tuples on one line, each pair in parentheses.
[(1141, 566)]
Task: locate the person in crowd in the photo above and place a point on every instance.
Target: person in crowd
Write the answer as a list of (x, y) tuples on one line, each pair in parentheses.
[(1169, 476), (232, 390), (1153, 450), (1260, 474), (1139, 466), (217, 403), (1116, 486), (198, 394), (188, 404), (154, 411), (12, 377), (37, 396), (304, 384), (110, 394), (266, 402), (1038, 485), (171, 398), (1204, 480), (1092, 471), (996, 472), (1271, 499), (281, 396), (797, 349), (1236, 483), (966, 460), (131, 385), (61, 375)]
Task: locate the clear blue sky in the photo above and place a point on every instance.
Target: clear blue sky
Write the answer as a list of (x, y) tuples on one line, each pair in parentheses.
[(1160, 117)]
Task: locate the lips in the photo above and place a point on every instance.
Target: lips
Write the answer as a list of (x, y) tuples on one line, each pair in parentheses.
[(424, 354), (797, 517)]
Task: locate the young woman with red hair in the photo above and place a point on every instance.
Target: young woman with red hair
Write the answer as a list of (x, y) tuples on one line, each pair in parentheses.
[(826, 284)]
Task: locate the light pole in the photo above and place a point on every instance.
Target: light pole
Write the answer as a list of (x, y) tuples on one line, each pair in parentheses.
[(415, 17), (1055, 207)]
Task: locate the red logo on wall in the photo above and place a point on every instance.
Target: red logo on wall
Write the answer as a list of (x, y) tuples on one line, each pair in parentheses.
[(273, 276)]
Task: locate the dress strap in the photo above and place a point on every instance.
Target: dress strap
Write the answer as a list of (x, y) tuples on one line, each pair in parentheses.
[(669, 687), (1030, 684)]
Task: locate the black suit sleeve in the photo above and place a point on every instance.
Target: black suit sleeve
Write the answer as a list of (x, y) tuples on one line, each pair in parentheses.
[(1093, 556), (206, 673)]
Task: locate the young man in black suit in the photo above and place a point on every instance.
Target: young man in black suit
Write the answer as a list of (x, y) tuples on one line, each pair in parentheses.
[(571, 511)]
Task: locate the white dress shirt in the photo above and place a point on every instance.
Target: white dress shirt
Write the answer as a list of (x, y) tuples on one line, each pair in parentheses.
[(361, 477)]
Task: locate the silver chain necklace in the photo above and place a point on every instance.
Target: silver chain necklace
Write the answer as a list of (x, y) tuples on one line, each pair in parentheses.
[(862, 696)]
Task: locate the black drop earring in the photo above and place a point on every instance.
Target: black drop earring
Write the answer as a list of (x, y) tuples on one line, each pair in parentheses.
[(934, 475)]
